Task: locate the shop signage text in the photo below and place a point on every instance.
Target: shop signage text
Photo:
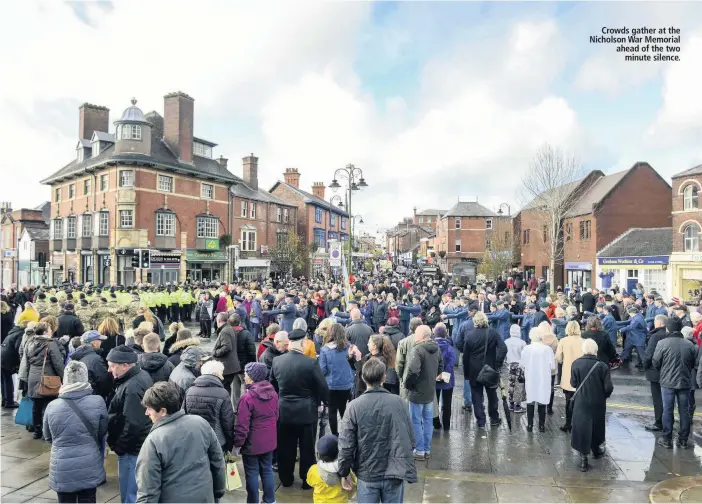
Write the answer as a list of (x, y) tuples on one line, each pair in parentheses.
[(212, 244), (166, 259), (578, 266), (632, 261), (199, 256)]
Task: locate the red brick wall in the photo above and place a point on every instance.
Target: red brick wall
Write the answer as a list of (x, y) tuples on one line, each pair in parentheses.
[(536, 252), (680, 216), (577, 250)]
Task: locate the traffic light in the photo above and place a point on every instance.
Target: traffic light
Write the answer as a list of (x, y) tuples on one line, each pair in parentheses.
[(145, 258), (135, 259)]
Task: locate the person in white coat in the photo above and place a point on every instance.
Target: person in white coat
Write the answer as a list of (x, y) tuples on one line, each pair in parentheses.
[(538, 364)]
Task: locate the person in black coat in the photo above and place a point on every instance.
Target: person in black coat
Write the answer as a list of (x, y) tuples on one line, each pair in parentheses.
[(590, 403), (8, 320), (475, 356), (652, 374), (589, 300), (392, 331), (380, 312), (153, 361), (605, 350), (302, 389), (98, 377), (10, 364), (540, 314), (68, 323)]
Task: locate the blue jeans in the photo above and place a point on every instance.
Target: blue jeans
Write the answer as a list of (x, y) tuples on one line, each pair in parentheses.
[(253, 466), (467, 396), (683, 396), (628, 347), (126, 471), (423, 423), (387, 490)]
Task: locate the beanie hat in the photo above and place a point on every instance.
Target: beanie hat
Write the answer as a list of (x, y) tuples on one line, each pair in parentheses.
[(122, 354), (439, 331), (393, 321), (544, 304), (515, 331), (75, 372), (328, 447), (674, 324), (257, 371)]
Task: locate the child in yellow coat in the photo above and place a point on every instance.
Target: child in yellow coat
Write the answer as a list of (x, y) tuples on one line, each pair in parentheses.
[(324, 477)]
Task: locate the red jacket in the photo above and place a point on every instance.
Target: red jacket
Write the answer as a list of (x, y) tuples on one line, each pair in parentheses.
[(697, 333)]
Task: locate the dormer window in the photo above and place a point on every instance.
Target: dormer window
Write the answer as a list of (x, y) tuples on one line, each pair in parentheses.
[(200, 149), (96, 148), (128, 132)]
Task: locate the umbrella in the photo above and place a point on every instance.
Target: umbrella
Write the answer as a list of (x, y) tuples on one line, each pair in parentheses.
[(508, 415)]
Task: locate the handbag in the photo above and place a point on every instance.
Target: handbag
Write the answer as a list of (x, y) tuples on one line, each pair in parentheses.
[(24, 412), (233, 476), (572, 399), (487, 376), (93, 434), (48, 385)]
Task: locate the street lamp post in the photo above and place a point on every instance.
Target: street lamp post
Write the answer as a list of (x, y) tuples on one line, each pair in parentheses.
[(354, 177), (500, 212)]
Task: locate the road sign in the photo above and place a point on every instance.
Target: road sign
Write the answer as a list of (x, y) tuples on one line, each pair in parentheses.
[(335, 254)]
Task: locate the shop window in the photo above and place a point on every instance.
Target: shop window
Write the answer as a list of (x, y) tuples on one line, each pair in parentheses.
[(690, 197), (691, 238)]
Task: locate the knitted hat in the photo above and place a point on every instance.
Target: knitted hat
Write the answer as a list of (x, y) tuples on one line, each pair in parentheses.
[(328, 447), (75, 372), (257, 371), (515, 331), (674, 324), (122, 354)]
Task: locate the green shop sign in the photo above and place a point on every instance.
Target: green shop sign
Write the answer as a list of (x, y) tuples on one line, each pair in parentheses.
[(212, 244), (199, 256)]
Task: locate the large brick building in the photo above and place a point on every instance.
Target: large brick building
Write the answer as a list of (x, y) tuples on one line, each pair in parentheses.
[(16, 259), (604, 208), (151, 185), (686, 259)]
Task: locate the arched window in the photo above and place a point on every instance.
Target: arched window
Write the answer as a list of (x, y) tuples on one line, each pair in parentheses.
[(690, 197), (691, 238)]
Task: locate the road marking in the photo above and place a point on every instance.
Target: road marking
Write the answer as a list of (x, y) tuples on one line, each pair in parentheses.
[(638, 408)]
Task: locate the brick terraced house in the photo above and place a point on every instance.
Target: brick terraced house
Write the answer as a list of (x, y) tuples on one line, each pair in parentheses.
[(686, 259)]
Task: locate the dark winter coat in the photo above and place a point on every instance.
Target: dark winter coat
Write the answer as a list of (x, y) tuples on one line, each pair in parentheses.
[(590, 403), (168, 343), (208, 398), (358, 333), (35, 355), (474, 356), (128, 424), (69, 325), (539, 316), (179, 347), (589, 302), (393, 332), (157, 365), (11, 349), (605, 350), (100, 380), (76, 461), (7, 323), (654, 337), (225, 350), (423, 366), (110, 343), (360, 386), (675, 359), (255, 431), (376, 438), (449, 359), (270, 353), (245, 347), (301, 387)]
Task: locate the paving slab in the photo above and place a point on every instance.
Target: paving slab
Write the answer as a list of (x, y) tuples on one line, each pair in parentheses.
[(530, 493), (458, 491), (607, 494), (672, 490)]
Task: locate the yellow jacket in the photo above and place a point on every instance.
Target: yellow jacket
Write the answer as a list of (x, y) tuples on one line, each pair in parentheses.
[(324, 492), (31, 315)]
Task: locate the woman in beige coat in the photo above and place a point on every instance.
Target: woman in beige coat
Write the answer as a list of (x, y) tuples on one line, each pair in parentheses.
[(569, 349), (550, 340)]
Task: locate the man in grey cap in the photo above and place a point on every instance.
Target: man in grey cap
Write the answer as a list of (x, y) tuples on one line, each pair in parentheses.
[(128, 424)]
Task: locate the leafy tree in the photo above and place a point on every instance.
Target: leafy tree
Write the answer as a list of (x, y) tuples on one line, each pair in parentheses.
[(289, 255)]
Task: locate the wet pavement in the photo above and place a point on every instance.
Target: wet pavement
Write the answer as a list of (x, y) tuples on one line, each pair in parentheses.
[(467, 464)]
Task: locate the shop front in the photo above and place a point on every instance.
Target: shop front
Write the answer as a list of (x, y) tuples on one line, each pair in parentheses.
[(687, 277), (203, 266), (252, 269), (578, 272), (165, 268), (653, 272), (320, 265)]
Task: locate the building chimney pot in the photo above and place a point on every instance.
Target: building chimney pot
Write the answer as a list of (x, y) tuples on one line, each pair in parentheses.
[(251, 171), (179, 124), (292, 177), (92, 118), (222, 161), (318, 189)]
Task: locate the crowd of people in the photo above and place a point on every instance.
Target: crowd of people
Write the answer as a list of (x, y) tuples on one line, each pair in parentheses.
[(373, 360)]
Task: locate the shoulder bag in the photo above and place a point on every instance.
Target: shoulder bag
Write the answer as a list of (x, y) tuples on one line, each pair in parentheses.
[(572, 399), (93, 434), (488, 377), (48, 385)]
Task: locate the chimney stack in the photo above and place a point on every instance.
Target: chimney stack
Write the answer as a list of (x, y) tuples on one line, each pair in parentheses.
[(178, 124), (92, 118), (251, 171), (292, 177), (318, 189), (222, 161)]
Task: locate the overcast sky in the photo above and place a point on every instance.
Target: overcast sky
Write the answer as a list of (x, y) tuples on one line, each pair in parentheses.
[(433, 101)]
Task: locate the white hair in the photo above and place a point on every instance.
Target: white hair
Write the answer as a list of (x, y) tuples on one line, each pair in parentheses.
[(536, 335), (589, 346), (300, 324), (213, 367)]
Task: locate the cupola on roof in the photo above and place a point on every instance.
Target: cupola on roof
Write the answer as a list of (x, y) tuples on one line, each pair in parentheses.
[(133, 114)]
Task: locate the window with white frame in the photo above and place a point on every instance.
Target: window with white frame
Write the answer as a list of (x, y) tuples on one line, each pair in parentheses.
[(318, 215), (421, 219), (200, 149), (165, 224), (207, 191), (165, 183), (81, 154), (126, 218), (86, 186), (126, 178), (488, 223), (71, 228), (458, 223), (71, 191), (207, 227), (248, 240), (244, 208), (57, 195), (691, 236), (104, 224), (690, 197), (279, 214), (286, 216), (104, 182), (96, 148), (458, 245), (58, 229), (253, 210), (87, 226), (129, 132)]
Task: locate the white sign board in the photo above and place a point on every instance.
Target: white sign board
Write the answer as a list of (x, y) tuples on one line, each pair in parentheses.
[(335, 254)]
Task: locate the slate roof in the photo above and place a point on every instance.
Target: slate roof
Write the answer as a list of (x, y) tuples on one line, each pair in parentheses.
[(431, 212), (161, 156), (38, 233), (104, 137), (245, 191), (695, 170), (596, 193), (311, 198), (641, 242), (469, 209)]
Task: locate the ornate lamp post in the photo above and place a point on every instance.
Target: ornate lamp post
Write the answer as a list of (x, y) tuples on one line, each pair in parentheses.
[(509, 211), (355, 182)]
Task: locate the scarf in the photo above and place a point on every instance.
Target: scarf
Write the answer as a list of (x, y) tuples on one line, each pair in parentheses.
[(74, 387)]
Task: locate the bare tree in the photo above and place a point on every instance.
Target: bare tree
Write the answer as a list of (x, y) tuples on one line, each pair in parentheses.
[(549, 188), (498, 255)]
